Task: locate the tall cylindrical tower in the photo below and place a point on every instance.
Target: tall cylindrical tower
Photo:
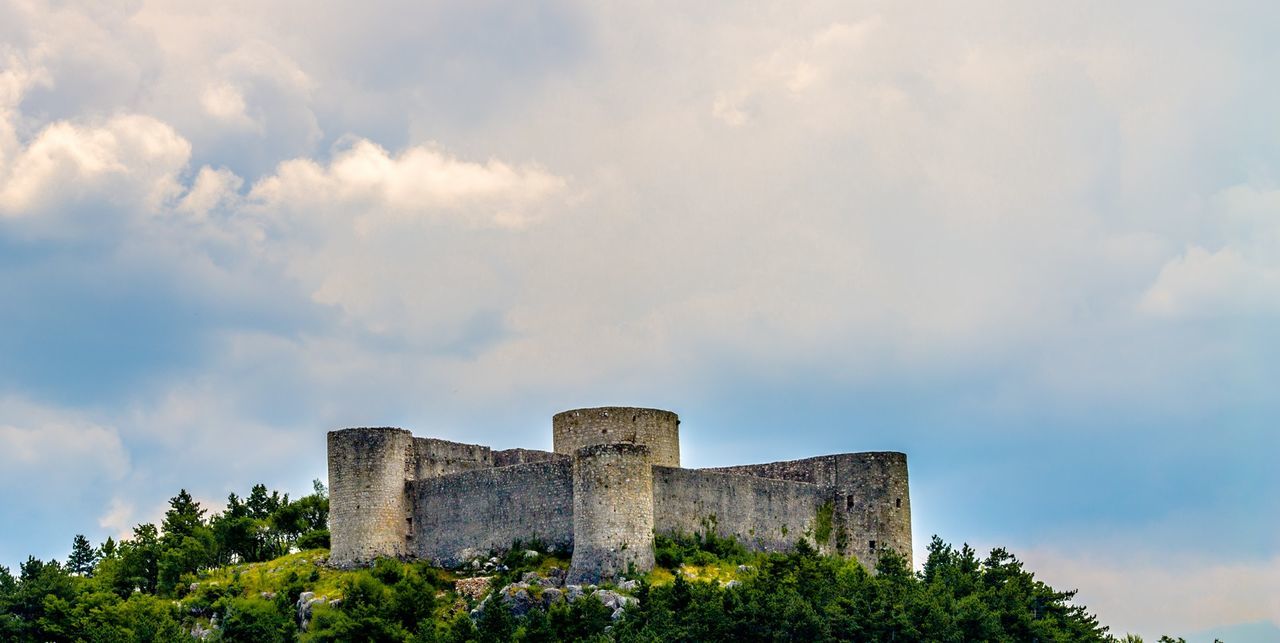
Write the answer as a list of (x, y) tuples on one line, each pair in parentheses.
[(369, 512), (654, 428), (612, 512), (875, 500)]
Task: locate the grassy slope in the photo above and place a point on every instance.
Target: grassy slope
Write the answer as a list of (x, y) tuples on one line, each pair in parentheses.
[(254, 579)]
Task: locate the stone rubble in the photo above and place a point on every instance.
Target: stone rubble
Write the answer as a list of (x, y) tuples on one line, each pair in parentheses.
[(473, 588), (201, 632), (524, 595), (306, 602)]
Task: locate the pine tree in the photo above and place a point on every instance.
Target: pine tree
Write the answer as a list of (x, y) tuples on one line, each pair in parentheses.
[(140, 560), (108, 549), (261, 505), (235, 508), (82, 558), (183, 517)]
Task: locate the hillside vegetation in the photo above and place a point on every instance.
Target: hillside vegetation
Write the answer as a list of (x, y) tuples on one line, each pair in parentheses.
[(257, 572)]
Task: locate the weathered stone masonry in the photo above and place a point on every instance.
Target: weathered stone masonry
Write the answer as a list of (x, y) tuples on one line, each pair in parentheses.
[(613, 481)]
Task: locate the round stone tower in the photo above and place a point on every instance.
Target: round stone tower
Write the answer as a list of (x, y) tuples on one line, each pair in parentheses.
[(368, 509), (878, 505), (654, 428), (612, 511)]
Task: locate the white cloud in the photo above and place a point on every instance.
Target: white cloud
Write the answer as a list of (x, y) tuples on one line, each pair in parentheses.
[(1177, 593), (118, 519), (404, 244), (1200, 283), (16, 78), (47, 441), (130, 160), (225, 102), (832, 59), (255, 86), (1240, 277), (212, 189), (905, 190), (421, 181)]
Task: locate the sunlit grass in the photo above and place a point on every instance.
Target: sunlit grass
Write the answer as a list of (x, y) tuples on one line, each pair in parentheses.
[(272, 575), (718, 572)]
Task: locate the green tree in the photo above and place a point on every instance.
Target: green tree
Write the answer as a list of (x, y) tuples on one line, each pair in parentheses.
[(183, 518), (365, 614), (236, 536), (191, 554), (187, 543), (148, 618), (39, 585), (82, 558), (253, 620), (261, 505), (108, 548), (305, 514), (139, 561)]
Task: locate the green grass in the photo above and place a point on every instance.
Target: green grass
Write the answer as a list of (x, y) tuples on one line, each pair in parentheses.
[(304, 572), (252, 579)]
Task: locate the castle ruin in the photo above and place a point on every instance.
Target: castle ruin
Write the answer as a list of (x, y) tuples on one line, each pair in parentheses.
[(612, 482)]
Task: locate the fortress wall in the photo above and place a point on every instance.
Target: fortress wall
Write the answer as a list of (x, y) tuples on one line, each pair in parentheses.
[(368, 512), (819, 471), (460, 515), (872, 498), (435, 457), (764, 514), (874, 503), (509, 457), (613, 507), (656, 429)]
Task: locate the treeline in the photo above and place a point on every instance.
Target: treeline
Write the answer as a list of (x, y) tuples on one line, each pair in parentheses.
[(795, 596), (804, 596), (113, 591), (220, 579)]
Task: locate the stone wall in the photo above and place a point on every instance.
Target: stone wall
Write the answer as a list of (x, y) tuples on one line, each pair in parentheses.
[(611, 483), (508, 457), (656, 429), (875, 504), (871, 497), (368, 511), (613, 505), (435, 457), (764, 514), (460, 515)]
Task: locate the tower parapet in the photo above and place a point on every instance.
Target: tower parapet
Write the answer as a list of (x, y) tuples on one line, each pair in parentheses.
[(369, 512), (612, 511), (654, 428)]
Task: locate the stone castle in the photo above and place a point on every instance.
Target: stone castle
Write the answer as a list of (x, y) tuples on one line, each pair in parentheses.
[(612, 482)]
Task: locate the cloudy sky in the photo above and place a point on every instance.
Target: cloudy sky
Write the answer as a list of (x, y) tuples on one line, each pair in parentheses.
[(1038, 249)]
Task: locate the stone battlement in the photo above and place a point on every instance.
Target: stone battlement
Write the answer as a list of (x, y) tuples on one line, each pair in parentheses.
[(612, 482)]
